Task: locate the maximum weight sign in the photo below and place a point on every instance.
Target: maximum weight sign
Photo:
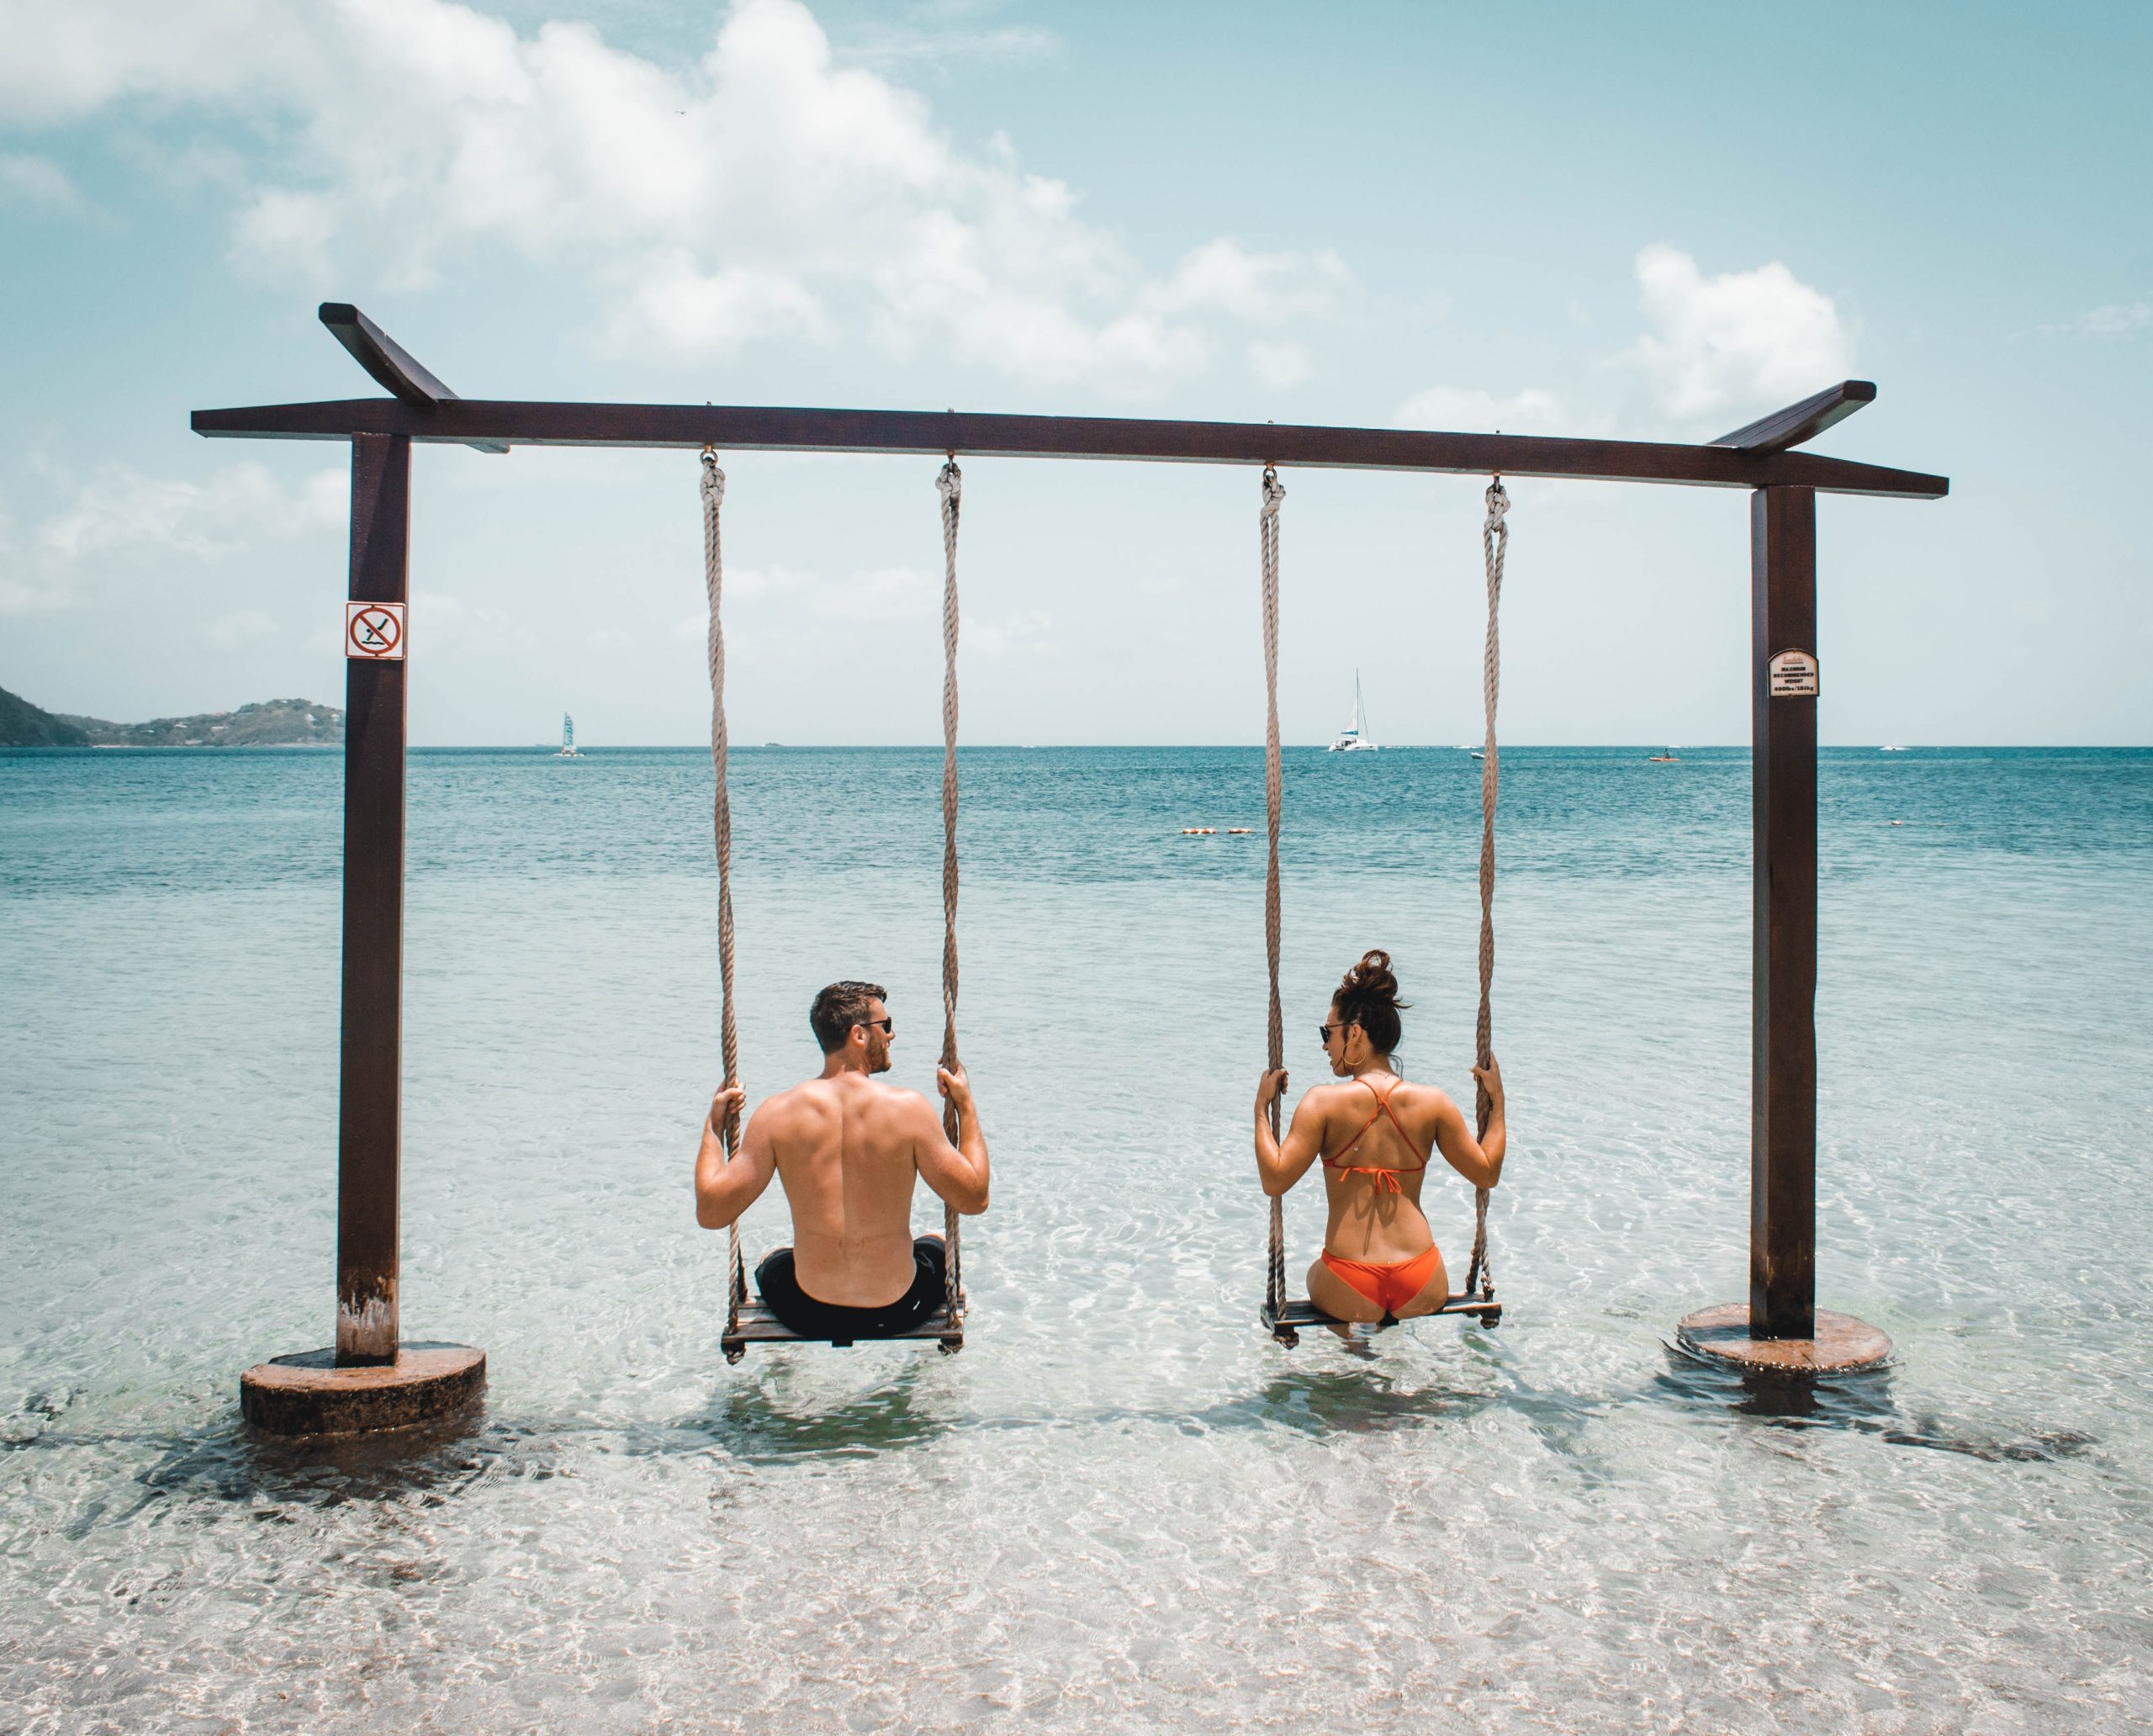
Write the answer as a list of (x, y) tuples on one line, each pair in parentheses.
[(374, 632), (1792, 675)]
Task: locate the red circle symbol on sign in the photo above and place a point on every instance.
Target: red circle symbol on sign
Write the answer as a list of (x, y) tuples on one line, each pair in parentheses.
[(375, 632)]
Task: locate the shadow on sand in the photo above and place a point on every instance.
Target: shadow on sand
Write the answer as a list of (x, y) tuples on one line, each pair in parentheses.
[(1862, 1401), (759, 1421)]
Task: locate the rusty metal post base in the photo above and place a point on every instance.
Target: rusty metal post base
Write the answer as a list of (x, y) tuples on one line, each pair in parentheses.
[(1843, 1345), (310, 1394)]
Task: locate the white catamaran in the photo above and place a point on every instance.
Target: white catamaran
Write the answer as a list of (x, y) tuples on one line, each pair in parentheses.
[(1353, 737), (568, 739)]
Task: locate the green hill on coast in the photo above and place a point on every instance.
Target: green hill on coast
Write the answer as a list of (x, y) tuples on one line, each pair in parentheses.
[(269, 723), (23, 725)]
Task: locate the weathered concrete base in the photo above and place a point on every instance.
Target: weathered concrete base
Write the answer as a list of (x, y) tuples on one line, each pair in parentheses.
[(309, 1394), (1843, 1344)]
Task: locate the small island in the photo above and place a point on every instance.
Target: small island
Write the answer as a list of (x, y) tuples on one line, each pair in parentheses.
[(267, 723)]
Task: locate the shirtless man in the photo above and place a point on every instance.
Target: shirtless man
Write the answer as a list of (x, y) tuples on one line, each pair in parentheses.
[(848, 1150)]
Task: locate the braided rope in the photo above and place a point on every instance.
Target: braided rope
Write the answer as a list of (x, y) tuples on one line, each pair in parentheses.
[(1495, 547), (713, 490), (1274, 494), (950, 486)]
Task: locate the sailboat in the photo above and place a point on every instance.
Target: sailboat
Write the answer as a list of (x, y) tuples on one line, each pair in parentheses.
[(1350, 739), (568, 739)]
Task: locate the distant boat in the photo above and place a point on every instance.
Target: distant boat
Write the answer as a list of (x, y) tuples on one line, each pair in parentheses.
[(1894, 748), (1670, 758), (1350, 739), (568, 739)]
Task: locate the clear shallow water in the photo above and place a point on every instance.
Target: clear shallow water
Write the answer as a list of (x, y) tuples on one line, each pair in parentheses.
[(1121, 1508)]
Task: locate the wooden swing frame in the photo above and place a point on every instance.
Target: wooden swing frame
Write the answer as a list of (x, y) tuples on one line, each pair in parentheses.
[(1761, 457)]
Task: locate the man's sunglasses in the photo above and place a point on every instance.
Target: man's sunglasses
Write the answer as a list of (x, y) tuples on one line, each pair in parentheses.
[(889, 1026)]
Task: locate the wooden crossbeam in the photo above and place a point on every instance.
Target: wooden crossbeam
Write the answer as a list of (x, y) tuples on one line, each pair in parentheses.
[(741, 428), (389, 363), (1786, 429), (424, 410), (773, 429)]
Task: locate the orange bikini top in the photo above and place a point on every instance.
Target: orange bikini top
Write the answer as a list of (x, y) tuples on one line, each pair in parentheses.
[(1387, 1180)]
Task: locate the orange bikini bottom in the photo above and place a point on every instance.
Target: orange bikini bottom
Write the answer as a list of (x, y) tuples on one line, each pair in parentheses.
[(1390, 1287)]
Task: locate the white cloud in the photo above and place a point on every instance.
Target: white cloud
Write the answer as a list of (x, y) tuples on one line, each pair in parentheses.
[(886, 594), (1465, 411), (1280, 366), (25, 593), (66, 61), (1263, 288), (768, 189), (442, 620), (239, 629), (748, 582), (445, 609), (880, 594), (997, 638), (1742, 340), (38, 183), (710, 315), (938, 34), (28, 587), (119, 516), (2118, 320), (120, 509), (283, 234)]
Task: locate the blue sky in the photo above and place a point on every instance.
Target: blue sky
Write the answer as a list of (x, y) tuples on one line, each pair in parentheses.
[(1651, 221)]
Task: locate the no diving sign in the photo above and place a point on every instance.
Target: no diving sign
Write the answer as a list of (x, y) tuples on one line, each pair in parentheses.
[(374, 632), (1793, 675)]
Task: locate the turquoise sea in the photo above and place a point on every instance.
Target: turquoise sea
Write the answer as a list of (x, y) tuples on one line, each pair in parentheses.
[(1122, 1508)]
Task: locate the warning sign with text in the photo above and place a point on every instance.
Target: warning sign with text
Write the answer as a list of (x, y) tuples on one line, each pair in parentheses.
[(1793, 675), (374, 632)]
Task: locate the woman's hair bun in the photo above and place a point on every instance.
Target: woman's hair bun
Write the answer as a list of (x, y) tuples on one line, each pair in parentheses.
[(1372, 975), (1368, 997)]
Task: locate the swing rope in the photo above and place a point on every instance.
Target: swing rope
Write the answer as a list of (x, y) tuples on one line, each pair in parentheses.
[(950, 486), (1495, 544), (713, 488), (1274, 494), (1495, 547)]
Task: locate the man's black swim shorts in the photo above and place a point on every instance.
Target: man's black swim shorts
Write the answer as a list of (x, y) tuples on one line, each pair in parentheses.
[(814, 1319)]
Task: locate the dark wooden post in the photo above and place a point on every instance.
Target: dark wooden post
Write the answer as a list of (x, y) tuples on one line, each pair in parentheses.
[(1783, 1060), (370, 1116), (370, 1379)]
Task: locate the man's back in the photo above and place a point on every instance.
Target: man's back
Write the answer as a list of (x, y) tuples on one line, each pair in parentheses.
[(846, 1151)]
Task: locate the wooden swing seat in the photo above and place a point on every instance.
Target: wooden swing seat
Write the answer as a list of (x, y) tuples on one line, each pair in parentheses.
[(758, 1325), (1284, 1325)]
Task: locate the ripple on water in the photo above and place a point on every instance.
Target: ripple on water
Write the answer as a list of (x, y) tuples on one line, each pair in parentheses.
[(1121, 1507)]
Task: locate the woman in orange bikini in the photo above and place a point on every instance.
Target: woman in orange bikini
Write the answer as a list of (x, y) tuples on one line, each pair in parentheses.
[(1375, 1134)]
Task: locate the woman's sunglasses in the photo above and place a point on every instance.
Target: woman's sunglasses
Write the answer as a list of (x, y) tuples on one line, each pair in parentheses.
[(1322, 1031)]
